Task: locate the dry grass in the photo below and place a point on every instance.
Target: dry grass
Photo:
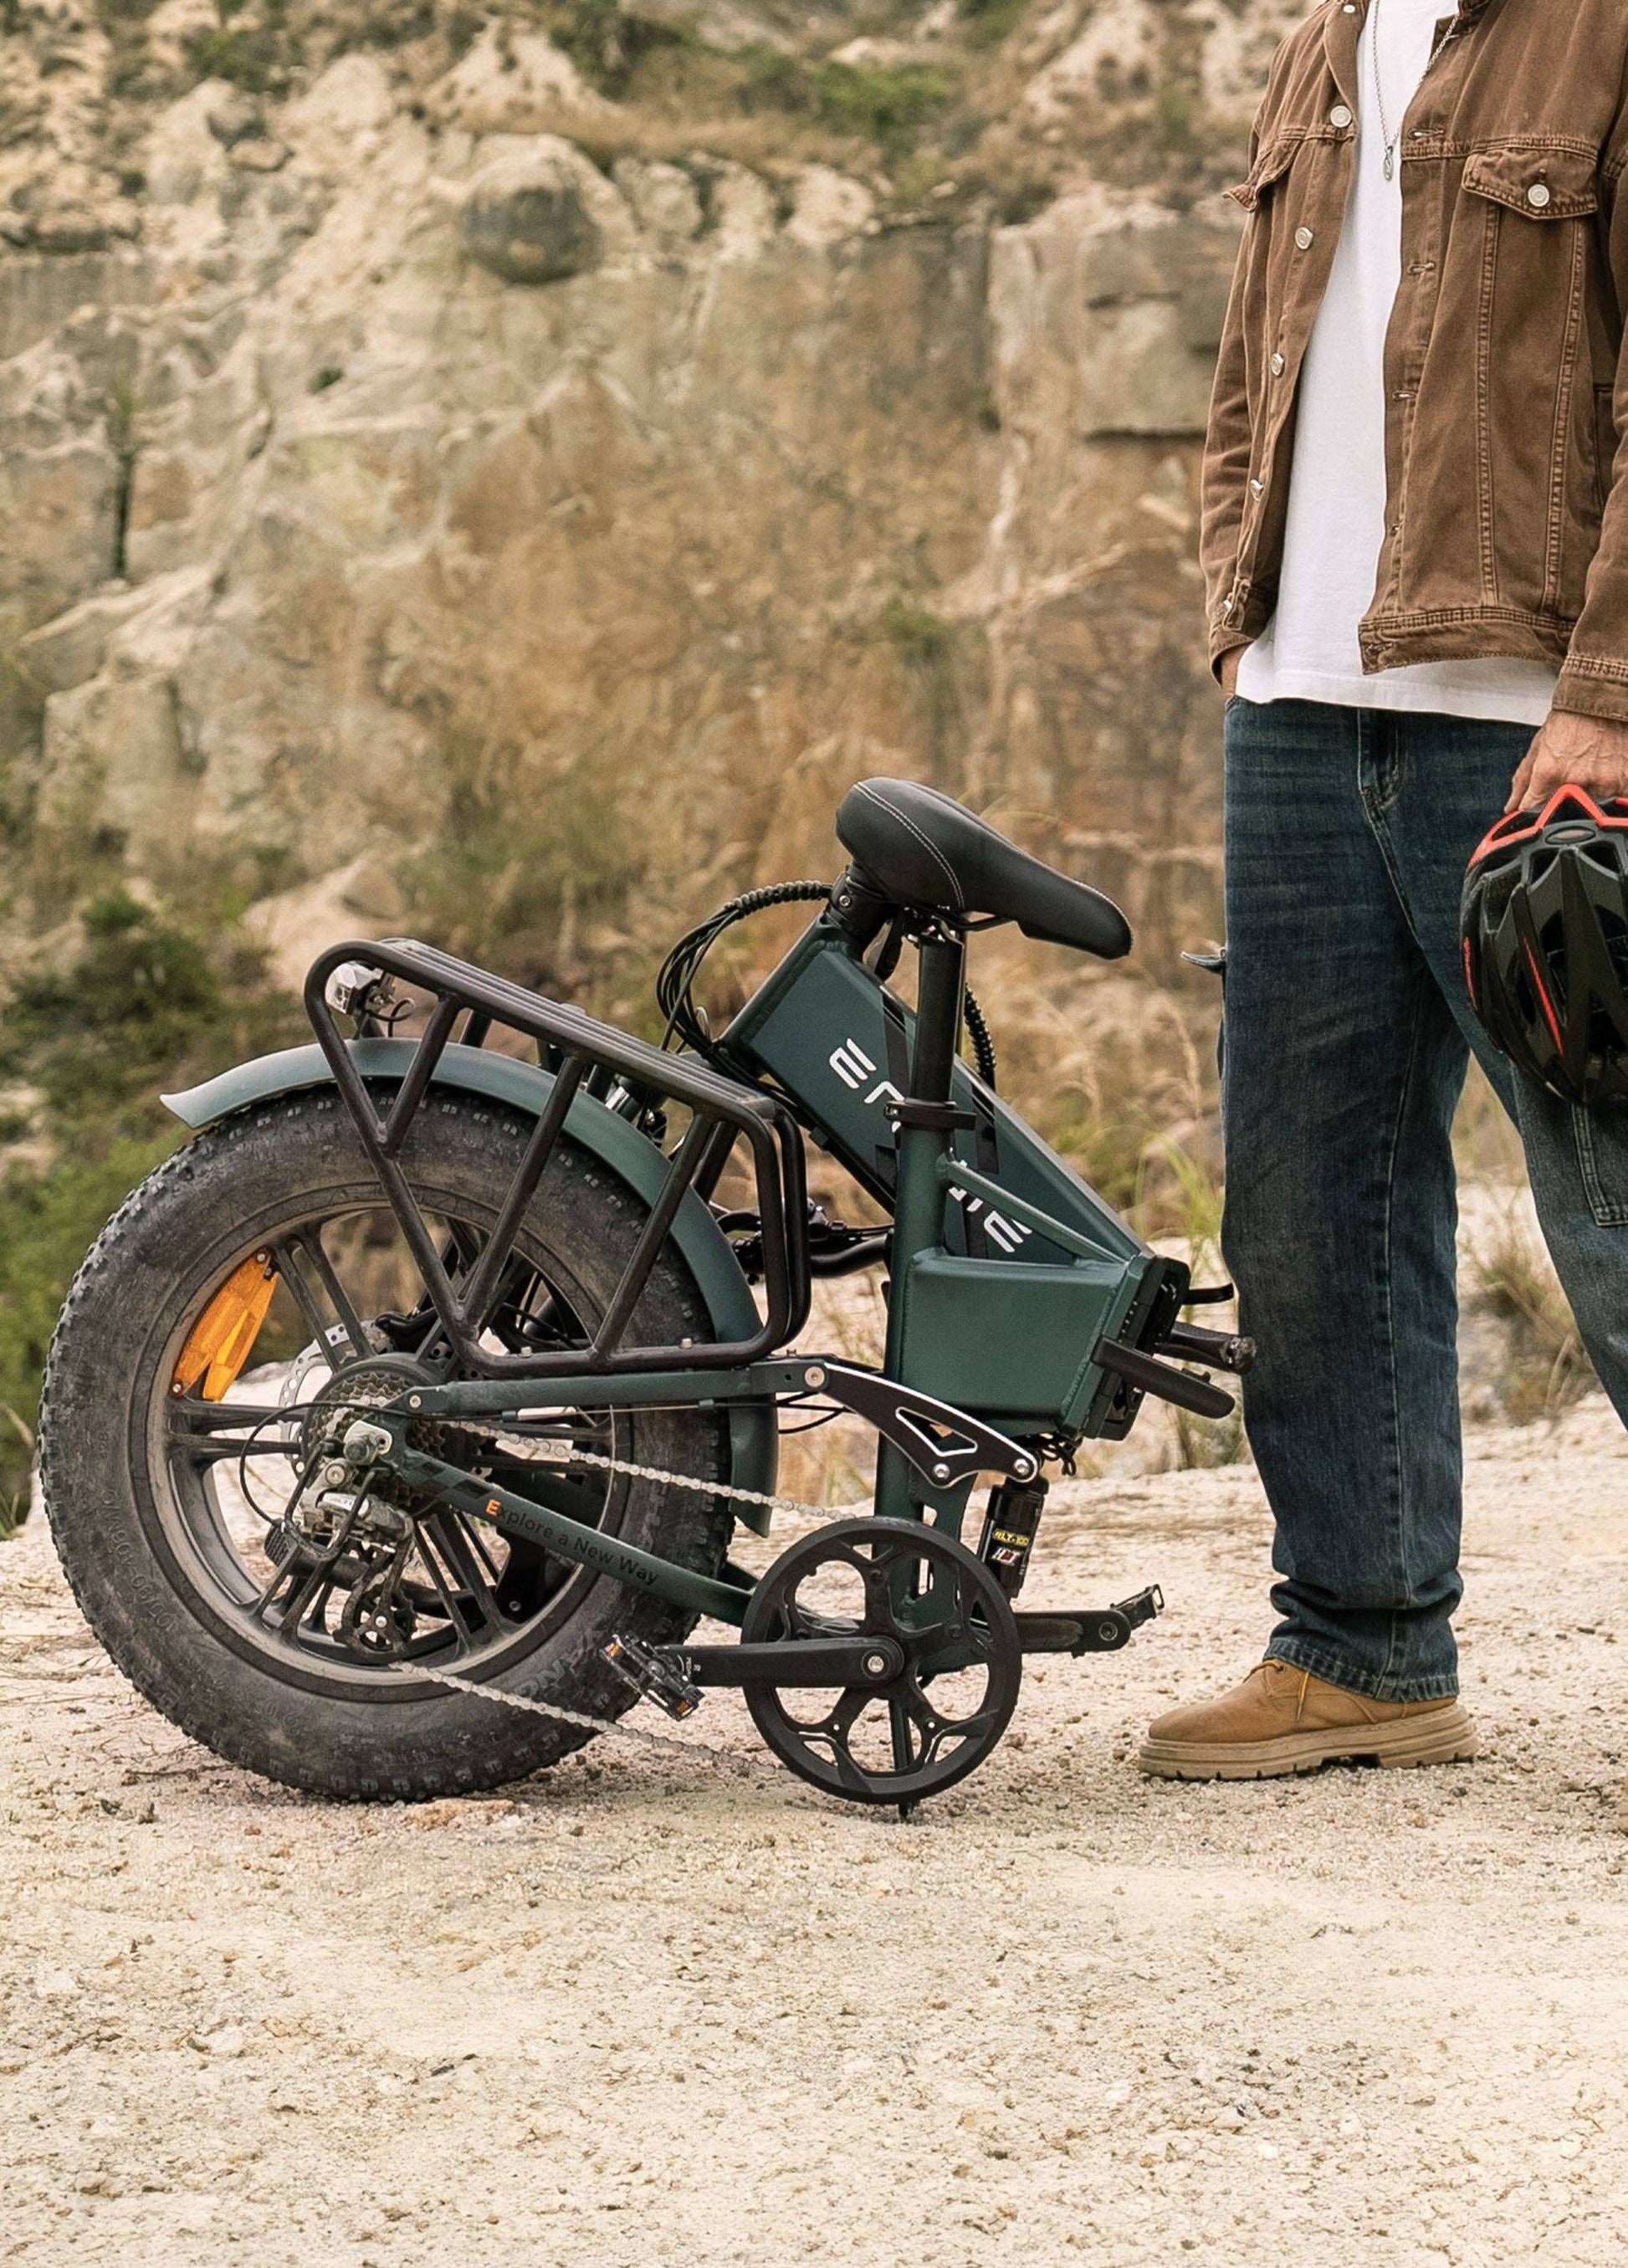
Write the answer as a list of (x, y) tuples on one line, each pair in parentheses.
[(1531, 1364), (1546, 1368), (1181, 1204)]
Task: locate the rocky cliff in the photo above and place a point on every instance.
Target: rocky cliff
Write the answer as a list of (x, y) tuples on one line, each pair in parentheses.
[(507, 475)]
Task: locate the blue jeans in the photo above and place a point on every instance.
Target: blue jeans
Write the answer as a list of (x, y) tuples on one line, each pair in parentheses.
[(1348, 1034)]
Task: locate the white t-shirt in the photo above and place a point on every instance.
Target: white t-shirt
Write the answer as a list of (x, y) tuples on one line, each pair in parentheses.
[(1337, 490)]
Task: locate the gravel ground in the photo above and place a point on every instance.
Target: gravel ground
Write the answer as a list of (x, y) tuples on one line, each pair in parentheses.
[(662, 2009)]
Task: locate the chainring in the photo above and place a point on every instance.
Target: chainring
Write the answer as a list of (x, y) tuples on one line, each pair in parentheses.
[(902, 1579)]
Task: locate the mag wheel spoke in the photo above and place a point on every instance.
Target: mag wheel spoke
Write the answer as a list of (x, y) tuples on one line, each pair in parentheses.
[(192, 1420), (213, 1432), (364, 1575), (451, 1606), (303, 1266), (464, 1559), (220, 1449)]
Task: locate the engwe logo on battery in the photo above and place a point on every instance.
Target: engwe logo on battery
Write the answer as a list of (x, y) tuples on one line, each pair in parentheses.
[(856, 1069)]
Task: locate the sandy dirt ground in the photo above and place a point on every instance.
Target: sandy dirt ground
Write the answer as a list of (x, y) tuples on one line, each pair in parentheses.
[(665, 2009)]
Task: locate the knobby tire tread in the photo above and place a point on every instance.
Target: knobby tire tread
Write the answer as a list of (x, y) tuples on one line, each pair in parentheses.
[(447, 1745)]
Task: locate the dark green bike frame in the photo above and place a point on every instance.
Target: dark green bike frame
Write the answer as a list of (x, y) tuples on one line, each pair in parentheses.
[(1024, 1314)]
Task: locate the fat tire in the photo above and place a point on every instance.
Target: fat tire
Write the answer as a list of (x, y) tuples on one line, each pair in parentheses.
[(196, 1211)]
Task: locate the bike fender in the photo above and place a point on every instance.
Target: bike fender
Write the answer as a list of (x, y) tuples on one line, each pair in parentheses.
[(754, 1434)]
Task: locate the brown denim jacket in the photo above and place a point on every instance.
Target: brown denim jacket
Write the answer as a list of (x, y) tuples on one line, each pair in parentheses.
[(1506, 385)]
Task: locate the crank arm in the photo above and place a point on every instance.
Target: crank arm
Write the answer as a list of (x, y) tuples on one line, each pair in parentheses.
[(791, 1663), (1102, 1630), (672, 1676)]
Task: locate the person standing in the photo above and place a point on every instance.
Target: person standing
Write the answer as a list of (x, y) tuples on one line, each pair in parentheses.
[(1415, 546)]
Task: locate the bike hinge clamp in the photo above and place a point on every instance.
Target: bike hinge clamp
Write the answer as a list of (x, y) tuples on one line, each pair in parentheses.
[(936, 1117)]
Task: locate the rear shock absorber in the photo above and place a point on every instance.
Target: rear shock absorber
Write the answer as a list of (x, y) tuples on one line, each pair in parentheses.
[(1009, 1530)]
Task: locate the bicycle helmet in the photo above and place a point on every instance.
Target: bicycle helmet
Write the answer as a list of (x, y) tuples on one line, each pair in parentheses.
[(1545, 923)]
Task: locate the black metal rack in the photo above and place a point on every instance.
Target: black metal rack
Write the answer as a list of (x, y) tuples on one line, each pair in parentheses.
[(581, 1054)]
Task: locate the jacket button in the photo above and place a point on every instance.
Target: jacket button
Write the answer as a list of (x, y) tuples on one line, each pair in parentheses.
[(1277, 365), (1259, 486), (1341, 115), (1304, 238), (1538, 195)]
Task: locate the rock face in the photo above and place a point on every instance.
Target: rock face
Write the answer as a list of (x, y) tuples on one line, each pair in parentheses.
[(538, 212), (450, 489)]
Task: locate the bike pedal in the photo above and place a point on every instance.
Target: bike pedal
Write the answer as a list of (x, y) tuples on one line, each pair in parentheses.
[(1143, 1607), (656, 1673), (1089, 1630)]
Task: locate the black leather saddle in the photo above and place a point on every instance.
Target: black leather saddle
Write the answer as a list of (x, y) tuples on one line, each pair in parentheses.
[(924, 850)]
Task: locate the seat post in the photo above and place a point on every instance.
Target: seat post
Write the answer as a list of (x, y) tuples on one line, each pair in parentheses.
[(919, 1196), (939, 998)]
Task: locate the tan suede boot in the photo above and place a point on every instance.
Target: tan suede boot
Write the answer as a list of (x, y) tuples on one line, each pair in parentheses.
[(1281, 1720)]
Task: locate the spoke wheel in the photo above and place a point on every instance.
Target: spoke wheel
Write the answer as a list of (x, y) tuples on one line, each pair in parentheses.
[(963, 1664)]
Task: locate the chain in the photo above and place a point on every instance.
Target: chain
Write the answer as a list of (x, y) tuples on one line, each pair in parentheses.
[(581, 1717), (686, 1481), (591, 1724)]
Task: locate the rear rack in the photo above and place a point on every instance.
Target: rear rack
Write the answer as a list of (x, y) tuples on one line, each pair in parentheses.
[(584, 1055)]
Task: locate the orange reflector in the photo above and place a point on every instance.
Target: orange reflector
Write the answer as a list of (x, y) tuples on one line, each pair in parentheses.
[(223, 1339)]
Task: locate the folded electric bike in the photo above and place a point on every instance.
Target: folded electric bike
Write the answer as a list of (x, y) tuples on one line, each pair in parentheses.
[(513, 1383)]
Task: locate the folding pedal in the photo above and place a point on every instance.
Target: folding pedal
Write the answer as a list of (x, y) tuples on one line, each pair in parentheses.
[(1090, 1630), (654, 1676)]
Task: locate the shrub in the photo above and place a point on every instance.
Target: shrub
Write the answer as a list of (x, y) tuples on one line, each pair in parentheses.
[(147, 1004), (47, 1220), (885, 103)]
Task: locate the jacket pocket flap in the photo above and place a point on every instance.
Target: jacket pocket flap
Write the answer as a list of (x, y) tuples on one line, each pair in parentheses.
[(1271, 166), (1540, 183)]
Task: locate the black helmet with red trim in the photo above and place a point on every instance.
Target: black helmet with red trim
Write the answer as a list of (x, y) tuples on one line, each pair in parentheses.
[(1545, 930)]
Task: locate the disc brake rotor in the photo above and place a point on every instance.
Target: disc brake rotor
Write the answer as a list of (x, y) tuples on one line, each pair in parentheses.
[(955, 1697)]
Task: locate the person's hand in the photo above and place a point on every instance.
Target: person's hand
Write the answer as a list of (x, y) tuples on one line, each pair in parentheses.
[(1590, 752), (1230, 665)]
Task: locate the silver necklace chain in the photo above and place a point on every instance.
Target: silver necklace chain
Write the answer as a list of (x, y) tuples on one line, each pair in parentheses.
[(1386, 136)]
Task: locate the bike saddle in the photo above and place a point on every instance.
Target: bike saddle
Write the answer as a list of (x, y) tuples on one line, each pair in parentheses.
[(923, 849)]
